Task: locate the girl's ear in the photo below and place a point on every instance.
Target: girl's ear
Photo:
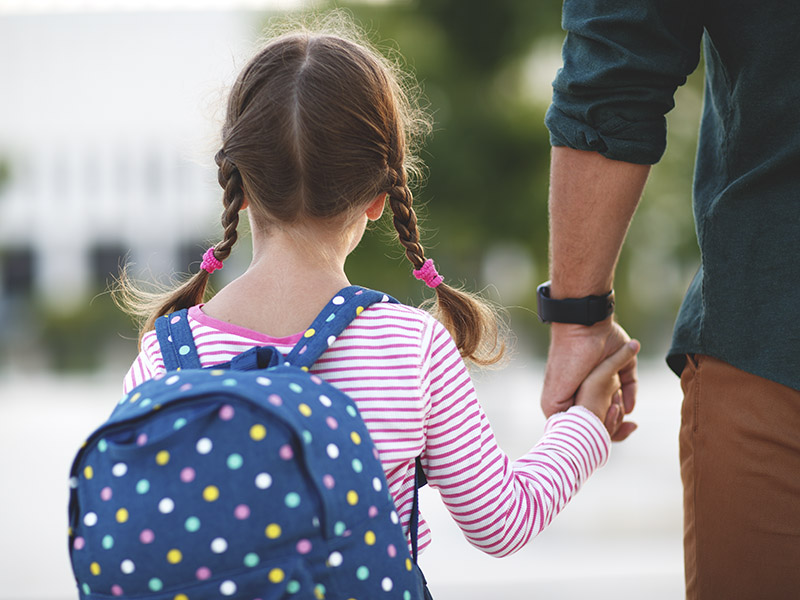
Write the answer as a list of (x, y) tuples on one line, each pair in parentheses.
[(375, 208), (245, 202)]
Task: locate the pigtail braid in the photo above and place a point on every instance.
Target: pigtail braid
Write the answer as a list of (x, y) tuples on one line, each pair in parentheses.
[(230, 180), (474, 324)]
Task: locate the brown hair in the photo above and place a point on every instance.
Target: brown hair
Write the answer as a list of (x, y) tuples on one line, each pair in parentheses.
[(316, 127)]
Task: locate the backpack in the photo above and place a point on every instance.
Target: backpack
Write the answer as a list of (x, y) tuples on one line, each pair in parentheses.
[(254, 479)]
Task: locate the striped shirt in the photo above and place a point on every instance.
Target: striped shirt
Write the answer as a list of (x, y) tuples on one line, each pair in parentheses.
[(405, 374)]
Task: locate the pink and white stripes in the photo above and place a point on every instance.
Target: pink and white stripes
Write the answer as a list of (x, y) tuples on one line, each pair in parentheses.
[(414, 392)]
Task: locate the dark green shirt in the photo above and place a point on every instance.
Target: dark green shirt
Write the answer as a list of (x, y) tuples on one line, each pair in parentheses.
[(623, 61)]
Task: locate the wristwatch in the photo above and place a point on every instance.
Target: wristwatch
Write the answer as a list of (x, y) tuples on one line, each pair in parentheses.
[(583, 311)]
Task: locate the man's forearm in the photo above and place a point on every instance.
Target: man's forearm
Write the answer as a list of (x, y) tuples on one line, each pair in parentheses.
[(592, 202)]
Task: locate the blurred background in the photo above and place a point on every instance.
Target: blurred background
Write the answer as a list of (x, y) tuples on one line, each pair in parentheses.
[(109, 115)]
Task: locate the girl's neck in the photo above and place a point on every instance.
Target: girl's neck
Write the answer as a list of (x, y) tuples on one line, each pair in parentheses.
[(294, 272)]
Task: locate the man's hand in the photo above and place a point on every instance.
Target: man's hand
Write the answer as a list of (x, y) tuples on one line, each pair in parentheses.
[(574, 351)]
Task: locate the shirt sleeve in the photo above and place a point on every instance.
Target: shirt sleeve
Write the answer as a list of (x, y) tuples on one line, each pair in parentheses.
[(622, 62), (499, 504), (147, 365)]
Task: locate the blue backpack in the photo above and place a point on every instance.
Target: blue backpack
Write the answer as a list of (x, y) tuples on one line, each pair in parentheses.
[(253, 480)]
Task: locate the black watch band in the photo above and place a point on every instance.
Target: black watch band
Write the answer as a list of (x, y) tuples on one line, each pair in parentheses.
[(582, 311)]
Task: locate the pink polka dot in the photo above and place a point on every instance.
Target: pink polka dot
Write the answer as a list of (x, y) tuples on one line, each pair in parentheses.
[(226, 412), (275, 400), (286, 452), (328, 481), (241, 512), (147, 536), (186, 387), (141, 440), (332, 423), (79, 543), (187, 474), (375, 453), (116, 590), (160, 375), (203, 573), (373, 510), (303, 546), (105, 493), (391, 550), (175, 319), (316, 379)]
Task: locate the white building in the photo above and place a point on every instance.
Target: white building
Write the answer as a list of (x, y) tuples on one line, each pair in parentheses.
[(108, 123)]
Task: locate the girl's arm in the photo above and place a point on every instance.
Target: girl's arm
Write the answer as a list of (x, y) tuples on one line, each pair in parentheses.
[(499, 504)]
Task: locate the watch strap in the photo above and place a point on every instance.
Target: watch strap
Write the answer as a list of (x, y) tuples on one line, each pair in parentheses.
[(582, 311)]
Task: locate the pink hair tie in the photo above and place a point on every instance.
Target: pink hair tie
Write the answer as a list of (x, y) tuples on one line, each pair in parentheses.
[(428, 274), (210, 262)]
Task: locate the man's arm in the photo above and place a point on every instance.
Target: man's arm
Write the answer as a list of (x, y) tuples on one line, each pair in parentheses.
[(592, 202)]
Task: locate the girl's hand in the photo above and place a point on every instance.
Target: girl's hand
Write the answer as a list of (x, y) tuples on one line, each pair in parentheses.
[(601, 391)]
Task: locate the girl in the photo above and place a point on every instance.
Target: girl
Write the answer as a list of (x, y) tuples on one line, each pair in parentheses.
[(315, 143)]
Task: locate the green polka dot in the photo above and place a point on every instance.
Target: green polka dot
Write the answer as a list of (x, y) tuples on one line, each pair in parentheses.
[(351, 411), (184, 350), (362, 573), (293, 587), (102, 445), (192, 524), (251, 559), (357, 466), (235, 461), (142, 486), (292, 500), (330, 318), (406, 595), (319, 590), (146, 402), (155, 584), (108, 542), (295, 387), (181, 422), (339, 528), (229, 382), (307, 437), (86, 589)]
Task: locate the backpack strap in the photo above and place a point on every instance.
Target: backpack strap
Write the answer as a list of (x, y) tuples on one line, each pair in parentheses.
[(176, 341), (345, 306)]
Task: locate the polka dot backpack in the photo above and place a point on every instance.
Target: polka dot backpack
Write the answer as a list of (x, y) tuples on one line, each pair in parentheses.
[(253, 480)]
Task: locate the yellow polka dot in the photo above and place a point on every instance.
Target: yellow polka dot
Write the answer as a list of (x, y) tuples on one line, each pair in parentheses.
[(359, 310), (409, 566), (156, 407), (304, 369), (162, 458), (218, 372), (273, 531), (135, 397), (122, 515), (369, 538), (88, 472), (356, 438), (210, 493), (352, 498), (305, 410), (174, 556), (258, 432), (94, 568), (181, 597), (319, 594), (309, 333), (276, 575)]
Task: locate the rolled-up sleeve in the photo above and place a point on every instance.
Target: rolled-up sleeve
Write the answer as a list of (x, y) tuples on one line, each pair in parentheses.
[(622, 62)]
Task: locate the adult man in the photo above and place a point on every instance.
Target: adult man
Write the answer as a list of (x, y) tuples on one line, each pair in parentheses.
[(737, 337)]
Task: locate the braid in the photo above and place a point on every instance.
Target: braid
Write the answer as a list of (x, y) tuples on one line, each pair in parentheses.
[(230, 179), (405, 219)]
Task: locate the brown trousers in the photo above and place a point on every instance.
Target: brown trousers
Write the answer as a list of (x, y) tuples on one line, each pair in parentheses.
[(740, 465)]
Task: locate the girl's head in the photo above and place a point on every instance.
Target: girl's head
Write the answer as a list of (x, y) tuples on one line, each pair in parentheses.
[(317, 126)]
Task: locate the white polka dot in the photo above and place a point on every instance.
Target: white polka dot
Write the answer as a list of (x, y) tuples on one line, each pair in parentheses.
[(227, 588), (119, 469), (386, 584), (204, 445), (333, 450), (166, 506), (335, 559), (376, 484), (219, 545), (338, 300), (90, 519), (325, 401), (73, 482), (171, 380), (127, 566), (263, 381), (393, 517), (263, 480), (331, 339)]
